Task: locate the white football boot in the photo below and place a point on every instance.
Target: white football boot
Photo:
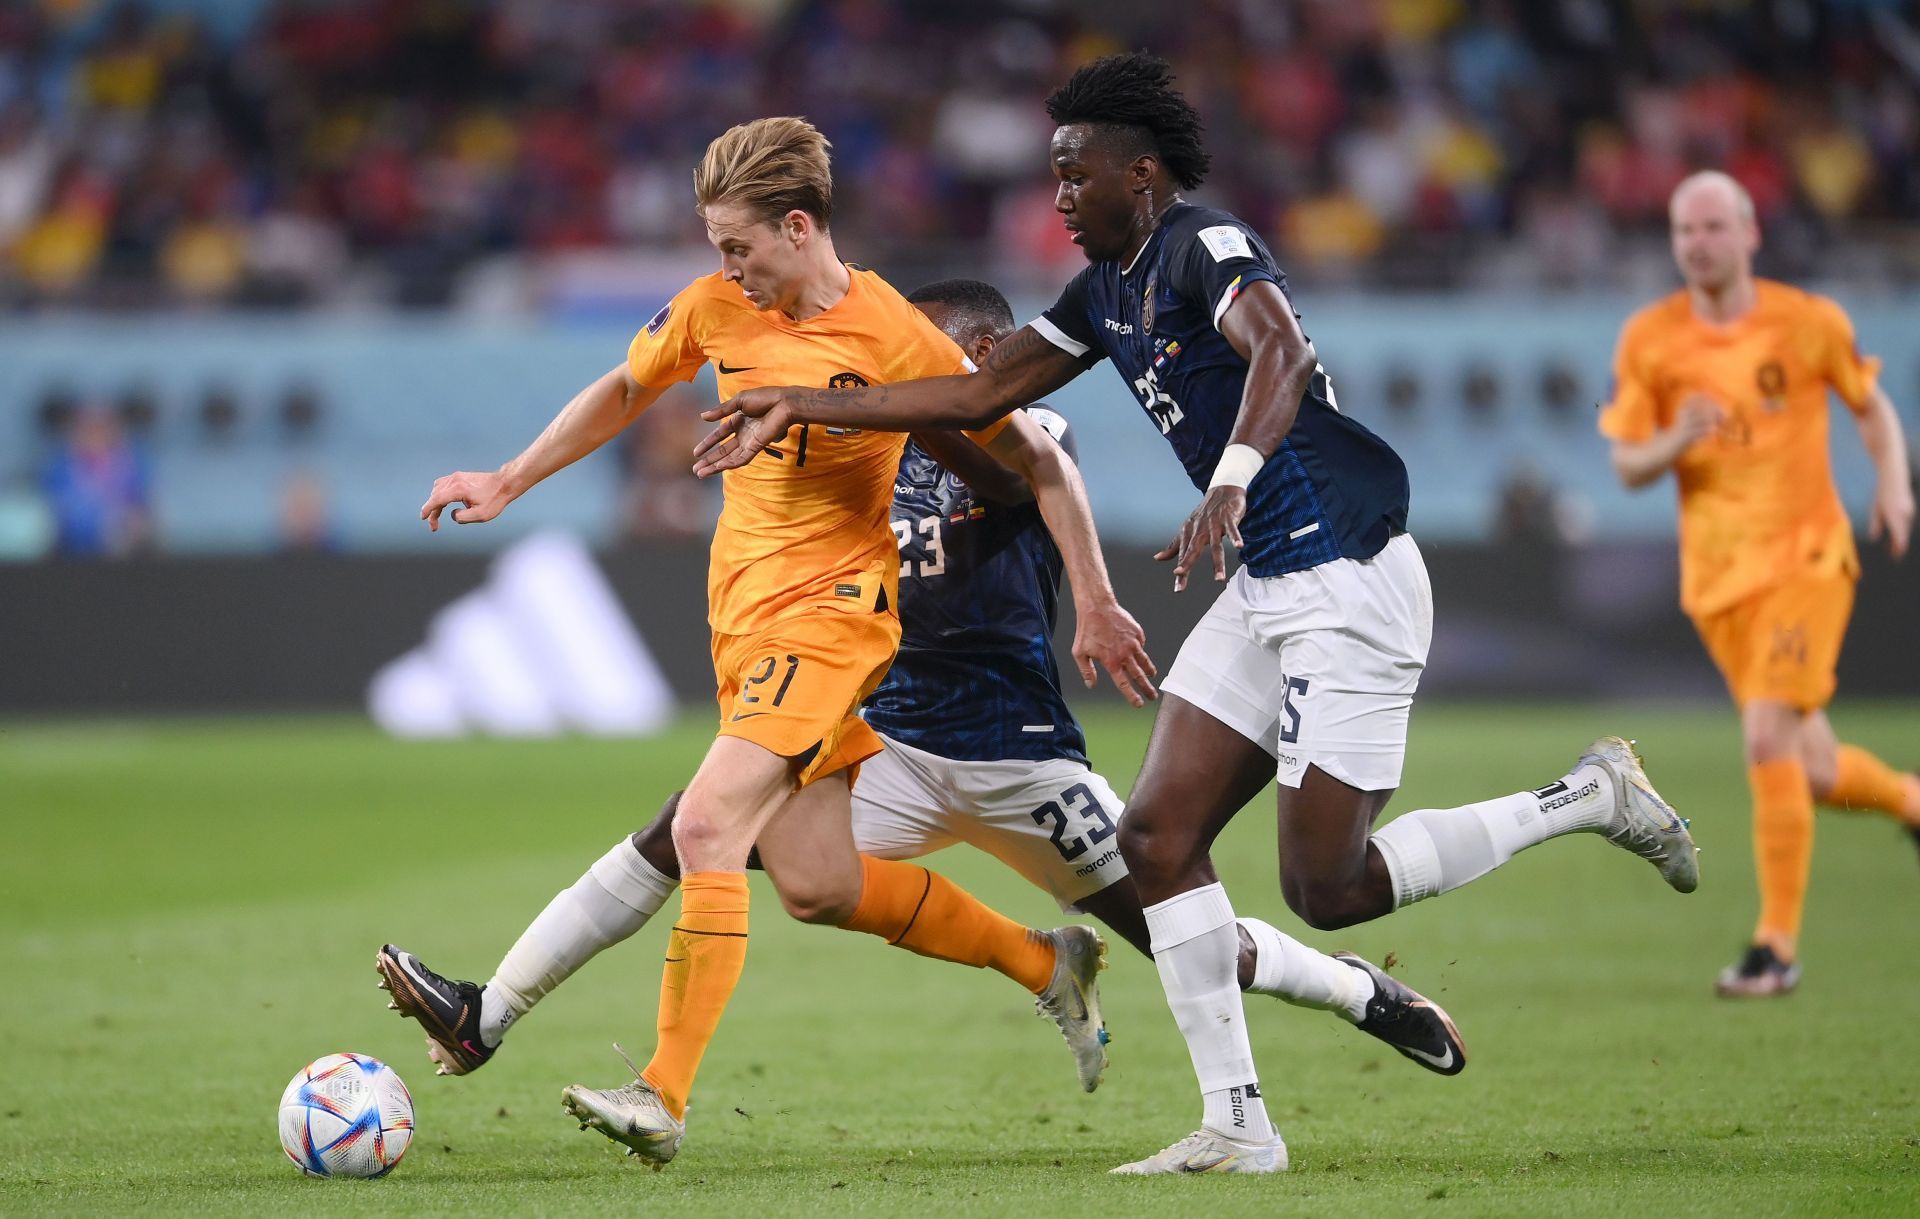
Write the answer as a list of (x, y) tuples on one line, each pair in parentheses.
[(1205, 1151), (1642, 822), (1072, 999), (635, 1115)]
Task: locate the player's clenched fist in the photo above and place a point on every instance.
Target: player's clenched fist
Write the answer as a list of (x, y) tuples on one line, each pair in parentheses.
[(1698, 417), (481, 496)]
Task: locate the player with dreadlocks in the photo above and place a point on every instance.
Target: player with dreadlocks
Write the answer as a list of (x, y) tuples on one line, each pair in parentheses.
[(1306, 665)]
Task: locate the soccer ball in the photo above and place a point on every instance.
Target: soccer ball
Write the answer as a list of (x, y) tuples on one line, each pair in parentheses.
[(346, 1115)]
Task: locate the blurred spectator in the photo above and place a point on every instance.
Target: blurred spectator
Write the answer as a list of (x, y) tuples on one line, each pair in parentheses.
[(1534, 526), (295, 253), (1402, 392), (306, 517), (57, 252), (661, 498), (1834, 167), (219, 414), (1565, 235), (1530, 514), (204, 256), (1560, 391), (97, 484), (379, 148), (55, 413), (299, 413), (1480, 394), (27, 158), (1332, 230), (138, 412)]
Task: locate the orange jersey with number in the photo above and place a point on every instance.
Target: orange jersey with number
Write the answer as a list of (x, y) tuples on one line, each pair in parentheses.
[(1757, 500), (806, 522)]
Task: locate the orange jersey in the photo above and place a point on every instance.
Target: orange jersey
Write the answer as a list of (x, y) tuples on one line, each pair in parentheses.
[(1757, 500), (806, 521)]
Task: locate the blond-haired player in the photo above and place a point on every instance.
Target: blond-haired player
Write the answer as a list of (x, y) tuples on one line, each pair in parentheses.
[(1725, 383), (802, 592)]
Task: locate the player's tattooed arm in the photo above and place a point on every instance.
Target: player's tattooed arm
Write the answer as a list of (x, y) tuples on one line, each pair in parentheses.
[(1262, 327), (989, 478), (1023, 368), (1026, 367), (595, 415)]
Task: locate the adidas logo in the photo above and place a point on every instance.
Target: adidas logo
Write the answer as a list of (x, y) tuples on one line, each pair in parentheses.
[(543, 647)]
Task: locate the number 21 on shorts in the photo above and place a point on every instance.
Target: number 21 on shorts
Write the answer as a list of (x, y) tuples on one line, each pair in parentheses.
[(754, 689)]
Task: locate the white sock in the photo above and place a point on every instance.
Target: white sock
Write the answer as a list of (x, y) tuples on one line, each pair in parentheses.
[(1433, 850), (615, 898), (1287, 969), (1197, 950)]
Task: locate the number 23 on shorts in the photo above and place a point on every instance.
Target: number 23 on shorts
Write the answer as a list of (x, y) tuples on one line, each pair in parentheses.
[(1076, 799)]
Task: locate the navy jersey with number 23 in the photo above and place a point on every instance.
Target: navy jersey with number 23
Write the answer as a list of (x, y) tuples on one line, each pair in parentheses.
[(975, 679), (1333, 490)]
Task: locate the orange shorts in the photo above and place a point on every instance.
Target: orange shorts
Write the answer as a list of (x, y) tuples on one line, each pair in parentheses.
[(796, 687), (1783, 643)]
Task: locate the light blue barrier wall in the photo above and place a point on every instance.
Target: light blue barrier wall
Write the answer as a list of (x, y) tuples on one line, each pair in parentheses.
[(1458, 462), (408, 399)]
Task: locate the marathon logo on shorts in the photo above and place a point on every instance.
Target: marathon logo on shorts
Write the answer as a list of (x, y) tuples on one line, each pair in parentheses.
[(659, 319), (1112, 856)]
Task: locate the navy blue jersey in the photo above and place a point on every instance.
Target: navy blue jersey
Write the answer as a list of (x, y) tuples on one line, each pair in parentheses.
[(979, 592), (1333, 490)]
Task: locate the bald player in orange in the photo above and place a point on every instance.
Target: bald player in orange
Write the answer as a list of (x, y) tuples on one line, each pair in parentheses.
[(801, 598), (1725, 383)]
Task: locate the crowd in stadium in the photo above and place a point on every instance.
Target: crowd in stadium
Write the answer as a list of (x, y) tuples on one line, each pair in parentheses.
[(377, 149)]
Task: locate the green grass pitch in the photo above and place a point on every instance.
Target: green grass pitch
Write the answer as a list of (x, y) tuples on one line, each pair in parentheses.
[(189, 912)]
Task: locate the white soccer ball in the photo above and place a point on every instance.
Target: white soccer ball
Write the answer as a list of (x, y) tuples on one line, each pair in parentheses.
[(346, 1115)]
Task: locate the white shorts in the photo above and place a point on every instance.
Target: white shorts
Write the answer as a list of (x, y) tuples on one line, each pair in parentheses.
[(1317, 667), (1053, 822)]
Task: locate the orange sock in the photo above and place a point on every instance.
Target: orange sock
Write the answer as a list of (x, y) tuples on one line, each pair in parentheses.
[(1862, 781), (1782, 849), (705, 953), (924, 912)]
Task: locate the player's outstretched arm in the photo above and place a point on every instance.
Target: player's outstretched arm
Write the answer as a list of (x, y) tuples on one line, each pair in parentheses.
[(594, 416), (1639, 462), (1262, 328), (1105, 635), (1022, 369), (1886, 443), (974, 466)]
